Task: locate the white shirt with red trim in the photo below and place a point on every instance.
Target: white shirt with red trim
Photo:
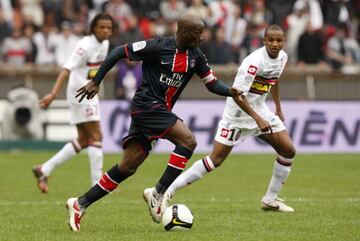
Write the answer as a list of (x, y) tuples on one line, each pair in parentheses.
[(255, 77), (83, 64)]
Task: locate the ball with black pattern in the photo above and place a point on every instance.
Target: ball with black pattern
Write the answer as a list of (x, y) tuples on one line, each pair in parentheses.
[(177, 217)]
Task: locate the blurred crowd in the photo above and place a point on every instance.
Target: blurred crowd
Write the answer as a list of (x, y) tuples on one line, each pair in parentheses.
[(319, 32)]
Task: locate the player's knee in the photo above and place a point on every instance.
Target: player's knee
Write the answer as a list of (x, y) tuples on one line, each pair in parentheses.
[(291, 152), (190, 142), (83, 142)]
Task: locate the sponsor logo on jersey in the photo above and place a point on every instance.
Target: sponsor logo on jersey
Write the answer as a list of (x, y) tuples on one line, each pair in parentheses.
[(175, 81), (252, 70), (260, 88), (138, 45)]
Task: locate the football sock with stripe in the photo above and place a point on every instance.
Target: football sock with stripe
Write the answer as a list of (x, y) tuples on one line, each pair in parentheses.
[(195, 172), (69, 150), (95, 155), (176, 165), (108, 182), (281, 170)]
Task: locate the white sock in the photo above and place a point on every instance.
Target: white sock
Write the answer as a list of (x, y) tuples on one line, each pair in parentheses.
[(60, 157), (195, 172), (279, 176), (95, 154)]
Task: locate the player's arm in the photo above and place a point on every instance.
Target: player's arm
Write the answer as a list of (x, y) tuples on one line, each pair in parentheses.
[(243, 80), (213, 84), (243, 103), (47, 99), (275, 93), (92, 88), (218, 87), (137, 51)]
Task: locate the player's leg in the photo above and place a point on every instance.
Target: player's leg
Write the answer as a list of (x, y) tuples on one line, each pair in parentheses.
[(200, 168), (285, 149), (134, 155), (185, 143), (95, 152), (69, 150)]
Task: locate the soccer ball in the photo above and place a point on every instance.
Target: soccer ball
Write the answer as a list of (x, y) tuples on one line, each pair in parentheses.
[(177, 217)]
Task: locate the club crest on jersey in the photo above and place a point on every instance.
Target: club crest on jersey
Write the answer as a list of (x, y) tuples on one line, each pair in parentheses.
[(192, 63), (138, 45), (224, 132), (252, 70), (80, 51)]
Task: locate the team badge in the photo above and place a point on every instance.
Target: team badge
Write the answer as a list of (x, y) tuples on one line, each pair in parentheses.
[(80, 51), (138, 45), (252, 70), (192, 63), (224, 132)]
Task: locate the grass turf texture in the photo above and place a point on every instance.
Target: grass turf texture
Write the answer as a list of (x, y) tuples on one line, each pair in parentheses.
[(323, 189)]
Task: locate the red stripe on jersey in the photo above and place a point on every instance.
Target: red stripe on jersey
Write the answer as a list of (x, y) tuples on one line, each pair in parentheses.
[(180, 62), (126, 51), (12, 53), (171, 91), (93, 64), (270, 81), (177, 161), (106, 183)]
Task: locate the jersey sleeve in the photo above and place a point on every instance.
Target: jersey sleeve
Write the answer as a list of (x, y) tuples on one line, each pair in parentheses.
[(78, 56), (246, 74), (203, 70), (142, 50)]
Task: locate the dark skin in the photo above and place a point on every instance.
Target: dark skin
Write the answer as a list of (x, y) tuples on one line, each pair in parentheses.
[(280, 141), (188, 35)]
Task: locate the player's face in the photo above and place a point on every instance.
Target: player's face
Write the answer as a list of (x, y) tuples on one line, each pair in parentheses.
[(103, 29), (274, 41), (191, 36)]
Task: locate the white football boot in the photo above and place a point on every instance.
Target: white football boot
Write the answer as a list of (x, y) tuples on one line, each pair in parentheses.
[(75, 214), (156, 207), (277, 205)]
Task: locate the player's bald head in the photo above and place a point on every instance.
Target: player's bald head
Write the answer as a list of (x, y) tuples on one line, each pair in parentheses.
[(190, 21)]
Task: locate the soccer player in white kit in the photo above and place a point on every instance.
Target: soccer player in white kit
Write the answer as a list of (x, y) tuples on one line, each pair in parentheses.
[(249, 116), (80, 68)]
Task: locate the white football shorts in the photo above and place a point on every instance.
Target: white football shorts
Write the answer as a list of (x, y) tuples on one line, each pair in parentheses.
[(232, 132), (84, 112)]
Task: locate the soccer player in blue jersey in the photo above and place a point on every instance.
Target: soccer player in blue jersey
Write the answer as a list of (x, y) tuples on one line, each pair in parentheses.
[(168, 65)]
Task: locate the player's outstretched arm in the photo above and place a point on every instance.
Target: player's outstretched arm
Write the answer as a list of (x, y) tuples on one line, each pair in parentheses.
[(92, 88), (220, 88)]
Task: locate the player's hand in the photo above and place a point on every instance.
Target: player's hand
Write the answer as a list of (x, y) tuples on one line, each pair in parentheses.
[(280, 114), (46, 101), (89, 91), (264, 126), (234, 92)]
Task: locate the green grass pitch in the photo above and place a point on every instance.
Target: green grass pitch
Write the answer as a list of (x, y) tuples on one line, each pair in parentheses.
[(323, 189)]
